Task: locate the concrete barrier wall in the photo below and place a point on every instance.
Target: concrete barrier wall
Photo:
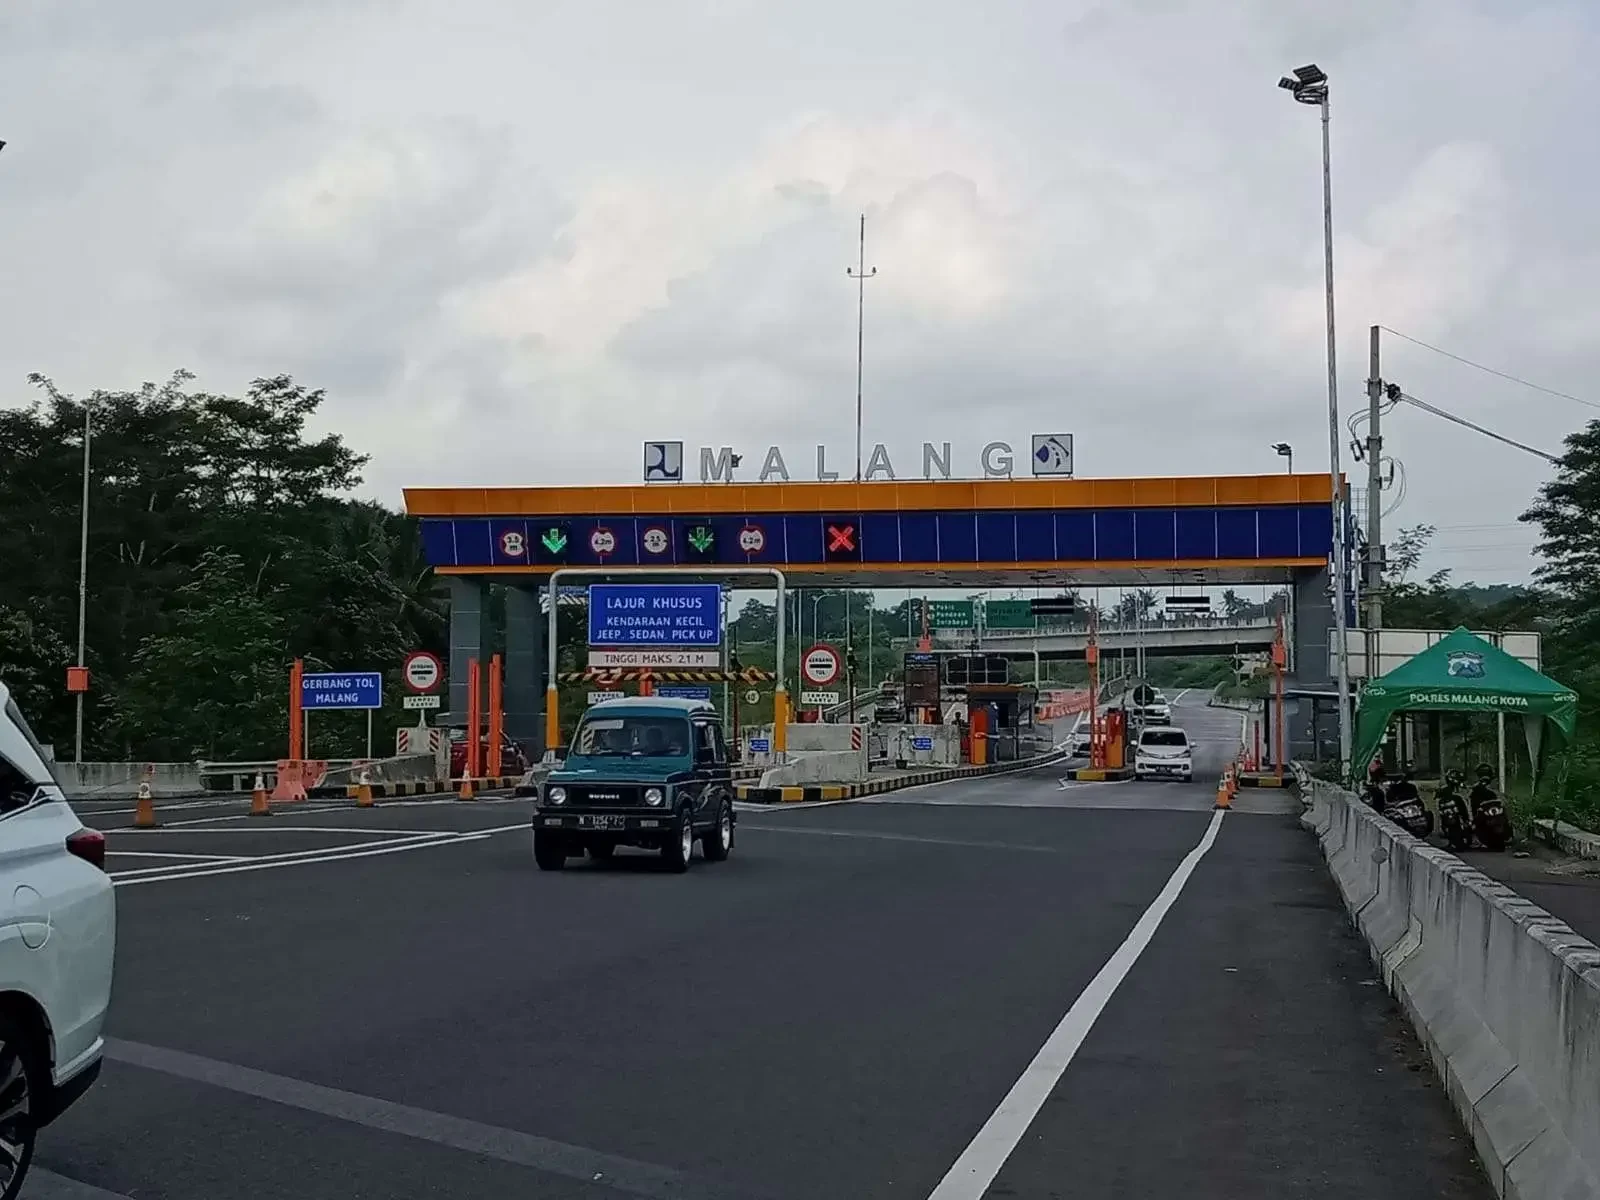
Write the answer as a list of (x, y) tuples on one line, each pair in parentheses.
[(819, 766), (118, 780), (1505, 997), (945, 751)]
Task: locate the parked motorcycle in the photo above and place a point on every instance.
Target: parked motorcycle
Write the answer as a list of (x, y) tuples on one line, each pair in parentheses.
[(1490, 821), (1373, 792), (1455, 820), (1403, 805)]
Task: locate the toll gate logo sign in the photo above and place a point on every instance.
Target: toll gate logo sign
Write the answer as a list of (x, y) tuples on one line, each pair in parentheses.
[(655, 615)]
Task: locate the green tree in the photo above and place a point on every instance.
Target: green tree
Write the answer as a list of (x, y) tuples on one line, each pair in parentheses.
[(214, 685), (179, 472)]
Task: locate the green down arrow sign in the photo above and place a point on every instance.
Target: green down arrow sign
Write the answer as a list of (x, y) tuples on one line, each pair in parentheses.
[(701, 538), (555, 540)]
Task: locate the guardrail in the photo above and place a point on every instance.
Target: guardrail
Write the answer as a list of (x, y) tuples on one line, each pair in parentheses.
[(1505, 997)]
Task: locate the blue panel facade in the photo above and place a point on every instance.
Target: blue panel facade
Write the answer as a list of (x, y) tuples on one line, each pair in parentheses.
[(1036, 537), (957, 538), (997, 537), (1154, 533), (1075, 536), (1113, 535), (919, 538), (1236, 533), (1196, 533)]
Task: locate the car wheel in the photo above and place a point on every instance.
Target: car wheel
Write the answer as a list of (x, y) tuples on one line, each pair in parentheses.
[(679, 846), (718, 844), (549, 851), (1188, 778), (601, 851), (19, 1103)]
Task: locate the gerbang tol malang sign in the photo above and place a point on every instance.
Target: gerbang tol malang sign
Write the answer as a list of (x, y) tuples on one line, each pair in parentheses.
[(1051, 454)]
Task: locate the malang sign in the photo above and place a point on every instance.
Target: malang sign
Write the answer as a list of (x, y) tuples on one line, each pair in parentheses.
[(1051, 454)]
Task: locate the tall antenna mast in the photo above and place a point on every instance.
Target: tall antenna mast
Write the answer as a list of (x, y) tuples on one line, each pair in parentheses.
[(860, 274)]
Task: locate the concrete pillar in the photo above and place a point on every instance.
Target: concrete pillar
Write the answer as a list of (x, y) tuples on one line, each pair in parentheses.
[(469, 636), (525, 666)]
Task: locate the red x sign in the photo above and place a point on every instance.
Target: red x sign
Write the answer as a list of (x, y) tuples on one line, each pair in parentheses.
[(841, 537)]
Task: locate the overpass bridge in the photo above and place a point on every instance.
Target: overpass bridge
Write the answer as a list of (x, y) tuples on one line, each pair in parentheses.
[(1221, 635)]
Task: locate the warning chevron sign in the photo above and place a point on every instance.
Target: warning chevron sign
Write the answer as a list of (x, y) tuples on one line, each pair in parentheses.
[(657, 675)]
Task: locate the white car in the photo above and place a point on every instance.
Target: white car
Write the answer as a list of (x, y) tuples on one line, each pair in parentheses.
[(58, 934), (1163, 752), (1076, 743)]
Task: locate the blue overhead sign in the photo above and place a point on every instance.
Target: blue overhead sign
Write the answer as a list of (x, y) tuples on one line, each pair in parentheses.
[(362, 689), (684, 691), (655, 614)]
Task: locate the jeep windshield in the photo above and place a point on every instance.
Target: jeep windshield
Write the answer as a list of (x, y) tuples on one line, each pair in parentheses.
[(641, 735)]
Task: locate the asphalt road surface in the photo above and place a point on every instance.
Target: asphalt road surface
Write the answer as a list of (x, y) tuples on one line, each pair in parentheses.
[(993, 987)]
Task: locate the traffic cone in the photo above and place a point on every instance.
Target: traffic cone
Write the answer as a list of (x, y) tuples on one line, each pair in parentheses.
[(1224, 795), (144, 812), (364, 790), (466, 788), (259, 807)]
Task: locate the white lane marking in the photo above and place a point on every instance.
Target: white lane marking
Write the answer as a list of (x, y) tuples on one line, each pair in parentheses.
[(129, 879), (274, 827), (1178, 699), (288, 855), (169, 854), (983, 1158)]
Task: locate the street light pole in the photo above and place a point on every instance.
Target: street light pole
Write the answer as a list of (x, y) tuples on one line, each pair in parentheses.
[(1310, 86), (860, 274), (1286, 451), (83, 578)]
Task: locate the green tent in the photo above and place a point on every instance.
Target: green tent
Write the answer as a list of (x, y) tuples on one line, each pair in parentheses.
[(1463, 673)]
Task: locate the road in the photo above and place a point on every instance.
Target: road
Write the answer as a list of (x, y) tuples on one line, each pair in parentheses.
[(992, 987)]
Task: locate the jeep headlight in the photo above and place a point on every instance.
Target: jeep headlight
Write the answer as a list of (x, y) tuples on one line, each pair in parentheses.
[(556, 795), (654, 797)]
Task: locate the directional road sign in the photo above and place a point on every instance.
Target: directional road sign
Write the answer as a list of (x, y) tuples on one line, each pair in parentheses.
[(684, 691), (638, 615), (947, 614), (360, 689), (1008, 614)]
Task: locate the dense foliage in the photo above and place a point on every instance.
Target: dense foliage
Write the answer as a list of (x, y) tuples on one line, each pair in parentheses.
[(222, 545)]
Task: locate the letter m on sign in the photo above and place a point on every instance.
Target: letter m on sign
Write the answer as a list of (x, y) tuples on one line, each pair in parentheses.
[(720, 466)]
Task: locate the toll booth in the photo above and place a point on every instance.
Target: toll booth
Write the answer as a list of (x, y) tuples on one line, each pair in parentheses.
[(1011, 708)]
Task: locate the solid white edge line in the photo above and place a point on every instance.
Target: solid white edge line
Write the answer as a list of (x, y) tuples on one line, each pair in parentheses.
[(168, 854), (987, 1153)]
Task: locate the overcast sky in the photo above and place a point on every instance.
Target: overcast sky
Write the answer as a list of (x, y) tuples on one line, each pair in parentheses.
[(515, 238)]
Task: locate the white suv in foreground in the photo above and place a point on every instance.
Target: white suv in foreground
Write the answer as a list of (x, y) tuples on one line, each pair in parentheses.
[(1163, 751), (58, 933)]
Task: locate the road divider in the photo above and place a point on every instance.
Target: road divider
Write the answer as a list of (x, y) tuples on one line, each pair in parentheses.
[(811, 793), (1505, 997)]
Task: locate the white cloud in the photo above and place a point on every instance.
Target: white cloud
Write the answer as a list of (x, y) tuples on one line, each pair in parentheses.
[(512, 244)]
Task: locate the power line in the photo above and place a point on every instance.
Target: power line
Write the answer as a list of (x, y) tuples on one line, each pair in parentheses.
[(1490, 370), (1476, 428)]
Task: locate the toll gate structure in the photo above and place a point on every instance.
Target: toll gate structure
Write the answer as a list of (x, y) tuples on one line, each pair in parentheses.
[(1165, 533)]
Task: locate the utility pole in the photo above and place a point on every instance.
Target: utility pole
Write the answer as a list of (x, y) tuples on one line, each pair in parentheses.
[(1375, 554), (860, 274), (83, 574)]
